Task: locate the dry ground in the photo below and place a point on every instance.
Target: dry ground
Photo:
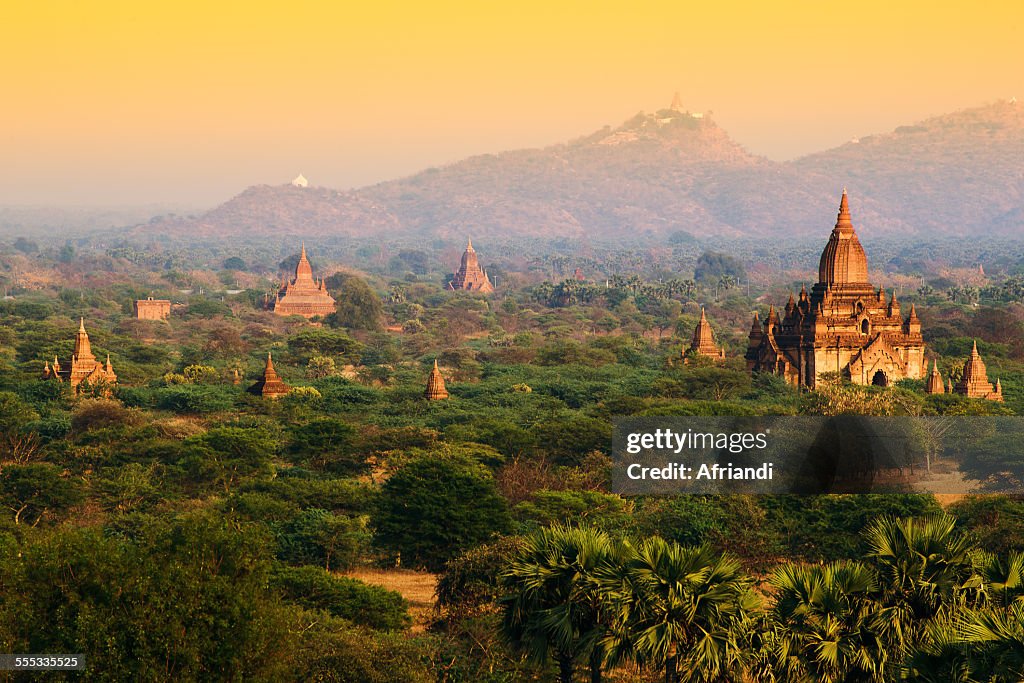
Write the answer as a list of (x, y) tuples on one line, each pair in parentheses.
[(416, 587)]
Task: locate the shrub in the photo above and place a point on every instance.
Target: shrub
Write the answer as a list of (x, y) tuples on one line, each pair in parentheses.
[(360, 603)]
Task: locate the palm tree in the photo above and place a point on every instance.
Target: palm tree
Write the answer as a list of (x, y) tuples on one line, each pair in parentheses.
[(923, 564), (554, 607), (677, 609), (826, 624)]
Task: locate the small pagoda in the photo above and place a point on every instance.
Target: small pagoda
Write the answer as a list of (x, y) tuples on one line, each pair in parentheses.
[(83, 366), (303, 295), (470, 276), (974, 382), (703, 343), (435, 390), (934, 384), (270, 385)]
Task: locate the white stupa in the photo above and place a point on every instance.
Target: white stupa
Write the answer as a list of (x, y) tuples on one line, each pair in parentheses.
[(300, 181)]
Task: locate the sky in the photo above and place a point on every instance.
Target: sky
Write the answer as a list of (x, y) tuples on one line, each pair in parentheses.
[(130, 103)]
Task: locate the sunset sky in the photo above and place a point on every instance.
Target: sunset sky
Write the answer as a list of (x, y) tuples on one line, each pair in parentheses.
[(190, 102)]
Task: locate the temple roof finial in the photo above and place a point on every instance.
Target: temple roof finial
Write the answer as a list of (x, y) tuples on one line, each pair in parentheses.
[(469, 244), (81, 324)]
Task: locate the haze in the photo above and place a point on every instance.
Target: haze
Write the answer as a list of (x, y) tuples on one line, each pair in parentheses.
[(133, 103)]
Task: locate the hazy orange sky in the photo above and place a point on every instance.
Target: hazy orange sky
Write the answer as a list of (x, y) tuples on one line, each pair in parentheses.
[(190, 102)]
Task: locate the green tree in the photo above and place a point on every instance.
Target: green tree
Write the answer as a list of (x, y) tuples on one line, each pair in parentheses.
[(680, 609), (358, 307), (553, 607), (436, 506)]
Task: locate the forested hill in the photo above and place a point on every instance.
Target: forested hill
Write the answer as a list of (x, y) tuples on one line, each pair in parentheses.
[(958, 174)]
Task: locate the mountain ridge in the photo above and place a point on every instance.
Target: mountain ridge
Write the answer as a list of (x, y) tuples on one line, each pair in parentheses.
[(953, 174)]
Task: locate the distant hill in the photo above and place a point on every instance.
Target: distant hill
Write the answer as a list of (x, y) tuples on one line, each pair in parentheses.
[(957, 174)]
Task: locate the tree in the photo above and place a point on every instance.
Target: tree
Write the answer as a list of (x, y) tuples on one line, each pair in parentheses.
[(435, 506), (827, 624), (30, 491), (320, 537), (328, 444), (679, 609), (358, 307), (554, 605)]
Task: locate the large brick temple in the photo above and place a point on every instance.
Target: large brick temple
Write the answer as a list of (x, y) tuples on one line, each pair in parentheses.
[(844, 325), (82, 366), (303, 295), (470, 276)]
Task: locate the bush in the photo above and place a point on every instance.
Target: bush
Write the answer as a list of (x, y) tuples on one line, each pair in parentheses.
[(319, 537), (433, 508), (360, 603)]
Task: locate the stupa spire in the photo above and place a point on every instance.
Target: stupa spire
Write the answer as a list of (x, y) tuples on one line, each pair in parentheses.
[(435, 390)]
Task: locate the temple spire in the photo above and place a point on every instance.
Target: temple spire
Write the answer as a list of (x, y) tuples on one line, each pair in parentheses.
[(435, 390), (843, 220)]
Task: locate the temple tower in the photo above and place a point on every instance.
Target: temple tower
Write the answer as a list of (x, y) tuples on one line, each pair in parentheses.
[(843, 326), (435, 390), (270, 385), (934, 385), (303, 295), (703, 342), (470, 276), (974, 382)]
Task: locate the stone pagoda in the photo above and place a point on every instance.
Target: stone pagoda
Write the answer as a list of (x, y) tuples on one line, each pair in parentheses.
[(83, 366), (843, 325), (435, 390), (703, 343), (470, 276), (974, 382), (934, 384), (303, 295), (270, 385)]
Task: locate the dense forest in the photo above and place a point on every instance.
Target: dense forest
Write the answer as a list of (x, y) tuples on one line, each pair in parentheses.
[(175, 526)]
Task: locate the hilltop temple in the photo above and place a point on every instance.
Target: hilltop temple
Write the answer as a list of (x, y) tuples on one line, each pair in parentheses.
[(270, 385), (471, 277), (303, 295), (844, 325), (83, 366), (703, 343), (973, 382), (435, 390)]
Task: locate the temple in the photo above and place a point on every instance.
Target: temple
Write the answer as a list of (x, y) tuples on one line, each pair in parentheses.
[(934, 384), (435, 390), (974, 381), (471, 277), (270, 385), (703, 343), (843, 326), (152, 309), (303, 295), (82, 367)]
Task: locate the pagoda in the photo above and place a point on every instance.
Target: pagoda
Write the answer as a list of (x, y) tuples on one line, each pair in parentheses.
[(934, 384), (270, 385), (83, 366), (435, 390), (303, 295), (703, 343), (974, 382), (843, 325), (470, 276)]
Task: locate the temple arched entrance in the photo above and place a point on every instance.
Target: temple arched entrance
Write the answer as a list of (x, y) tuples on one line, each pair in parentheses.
[(880, 380)]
